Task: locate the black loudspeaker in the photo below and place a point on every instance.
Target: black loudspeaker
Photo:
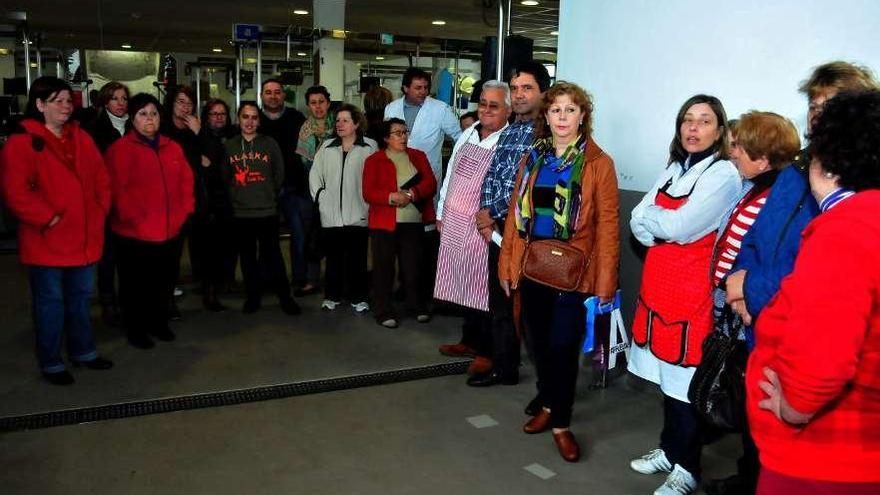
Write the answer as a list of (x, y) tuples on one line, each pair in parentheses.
[(290, 74), (517, 49), (368, 82)]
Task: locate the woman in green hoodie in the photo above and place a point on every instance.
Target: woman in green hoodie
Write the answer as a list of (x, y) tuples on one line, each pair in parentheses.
[(255, 173)]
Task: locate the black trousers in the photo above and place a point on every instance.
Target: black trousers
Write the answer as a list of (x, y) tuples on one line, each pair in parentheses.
[(475, 331), (556, 322), (147, 274), (209, 250), (505, 346), (749, 465), (404, 246), (260, 235), (107, 269), (345, 274), (683, 435), (428, 268)]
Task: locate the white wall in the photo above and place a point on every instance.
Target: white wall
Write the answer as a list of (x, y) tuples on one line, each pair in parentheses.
[(642, 58)]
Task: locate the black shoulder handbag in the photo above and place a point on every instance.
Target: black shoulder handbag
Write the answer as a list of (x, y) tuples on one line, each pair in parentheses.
[(717, 390)]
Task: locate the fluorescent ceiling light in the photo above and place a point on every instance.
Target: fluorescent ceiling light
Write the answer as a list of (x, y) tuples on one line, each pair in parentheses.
[(529, 3), (301, 12), (380, 58), (301, 54), (217, 50), (438, 23), (126, 46), (554, 33)]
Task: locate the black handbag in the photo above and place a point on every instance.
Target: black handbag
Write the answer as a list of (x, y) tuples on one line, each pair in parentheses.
[(717, 390)]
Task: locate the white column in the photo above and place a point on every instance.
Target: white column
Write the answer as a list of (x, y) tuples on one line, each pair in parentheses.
[(330, 52)]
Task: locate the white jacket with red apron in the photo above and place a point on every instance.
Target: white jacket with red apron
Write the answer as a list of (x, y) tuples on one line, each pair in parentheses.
[(678, 219)]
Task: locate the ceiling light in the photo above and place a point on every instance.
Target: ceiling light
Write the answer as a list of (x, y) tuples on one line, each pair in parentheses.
[(380, 57), (438, 23), (301, 12), (250, 60), (302, 54), (33, 65), (4, 52), (126, 46), (217, 50), (554, 33), (529, 3)]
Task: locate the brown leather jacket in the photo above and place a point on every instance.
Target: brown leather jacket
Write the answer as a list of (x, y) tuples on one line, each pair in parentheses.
[(597, 233)]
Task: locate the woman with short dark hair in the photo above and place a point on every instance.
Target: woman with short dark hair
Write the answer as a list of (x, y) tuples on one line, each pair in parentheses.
[(812, 378), (152, 199), (399, 187), (55, 183)]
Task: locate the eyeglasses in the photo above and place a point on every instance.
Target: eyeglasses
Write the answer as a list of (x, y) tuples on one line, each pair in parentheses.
[(399, 133), (216, 114)]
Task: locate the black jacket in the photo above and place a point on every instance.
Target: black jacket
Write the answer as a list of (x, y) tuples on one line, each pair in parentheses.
[(285, 130)]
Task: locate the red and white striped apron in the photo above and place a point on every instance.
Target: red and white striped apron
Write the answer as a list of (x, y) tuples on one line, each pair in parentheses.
[(462, 272)]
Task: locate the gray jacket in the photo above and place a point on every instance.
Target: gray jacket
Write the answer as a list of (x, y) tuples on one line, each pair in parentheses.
[(337, 184)]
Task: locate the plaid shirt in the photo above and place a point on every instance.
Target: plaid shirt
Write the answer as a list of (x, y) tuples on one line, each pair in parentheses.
[(821, 334), (498, 184)]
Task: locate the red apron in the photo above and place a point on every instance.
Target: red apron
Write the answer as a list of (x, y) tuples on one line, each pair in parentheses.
[(674, 312), (462, 267)]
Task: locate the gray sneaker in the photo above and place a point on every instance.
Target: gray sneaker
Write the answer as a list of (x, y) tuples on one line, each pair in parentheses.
[(679, 482), (653, 462)]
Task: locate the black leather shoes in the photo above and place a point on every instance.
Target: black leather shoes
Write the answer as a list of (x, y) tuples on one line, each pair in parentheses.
[(98, 363), (59, 378), (493, 377)]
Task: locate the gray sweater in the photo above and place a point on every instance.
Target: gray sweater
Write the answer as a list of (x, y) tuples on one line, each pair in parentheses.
[(255, 173)]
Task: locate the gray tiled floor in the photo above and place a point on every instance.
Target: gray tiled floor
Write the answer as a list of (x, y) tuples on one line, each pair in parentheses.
[(407, 438)]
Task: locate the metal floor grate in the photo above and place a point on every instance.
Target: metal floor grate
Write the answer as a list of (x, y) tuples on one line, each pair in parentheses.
[(227, 398)]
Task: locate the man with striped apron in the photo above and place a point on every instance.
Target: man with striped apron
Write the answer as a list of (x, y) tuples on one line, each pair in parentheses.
[(462, 274)]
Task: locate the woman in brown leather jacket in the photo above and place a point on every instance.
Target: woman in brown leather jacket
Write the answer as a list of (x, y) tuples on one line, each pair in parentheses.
[(566, 191)]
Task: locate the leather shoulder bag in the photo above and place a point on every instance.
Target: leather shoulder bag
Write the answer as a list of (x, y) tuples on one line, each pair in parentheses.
[(555, 264)]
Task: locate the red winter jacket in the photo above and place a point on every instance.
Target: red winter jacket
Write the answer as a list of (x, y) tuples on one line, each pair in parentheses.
[(44, 176), (380, 180), (821, 334), (152, 190)]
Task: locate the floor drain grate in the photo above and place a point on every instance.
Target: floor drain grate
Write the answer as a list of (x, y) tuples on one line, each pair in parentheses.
[(227, 398)]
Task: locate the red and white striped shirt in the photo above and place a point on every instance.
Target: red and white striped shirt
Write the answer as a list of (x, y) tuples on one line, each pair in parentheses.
[(741, 221)]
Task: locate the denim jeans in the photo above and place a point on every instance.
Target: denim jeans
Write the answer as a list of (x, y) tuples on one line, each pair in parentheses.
[(61, 297), (299, 212)]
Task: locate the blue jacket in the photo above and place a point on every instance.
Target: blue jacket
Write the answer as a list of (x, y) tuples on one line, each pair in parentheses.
[(770, 247)]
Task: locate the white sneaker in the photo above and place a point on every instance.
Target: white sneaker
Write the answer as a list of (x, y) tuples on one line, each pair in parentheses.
[(679, 482), (654, 461), (329, 304), (361, 307)]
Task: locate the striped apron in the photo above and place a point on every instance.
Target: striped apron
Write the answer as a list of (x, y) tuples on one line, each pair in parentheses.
[(462, 271)]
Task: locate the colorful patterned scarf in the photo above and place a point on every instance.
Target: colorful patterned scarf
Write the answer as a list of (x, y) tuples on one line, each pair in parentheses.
[(567, 196), (309, 140)]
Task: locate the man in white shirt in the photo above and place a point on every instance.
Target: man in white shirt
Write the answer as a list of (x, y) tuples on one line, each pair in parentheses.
[(428, 121)]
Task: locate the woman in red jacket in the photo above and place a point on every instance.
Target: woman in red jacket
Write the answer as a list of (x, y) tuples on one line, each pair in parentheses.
[(152, 188), (812, 381), (55, 182), (399, 188)]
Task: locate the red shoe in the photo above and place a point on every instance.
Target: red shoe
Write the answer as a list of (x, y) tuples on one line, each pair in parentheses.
[(539, 423), (567, 446), (456, 350), (480, 365)]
